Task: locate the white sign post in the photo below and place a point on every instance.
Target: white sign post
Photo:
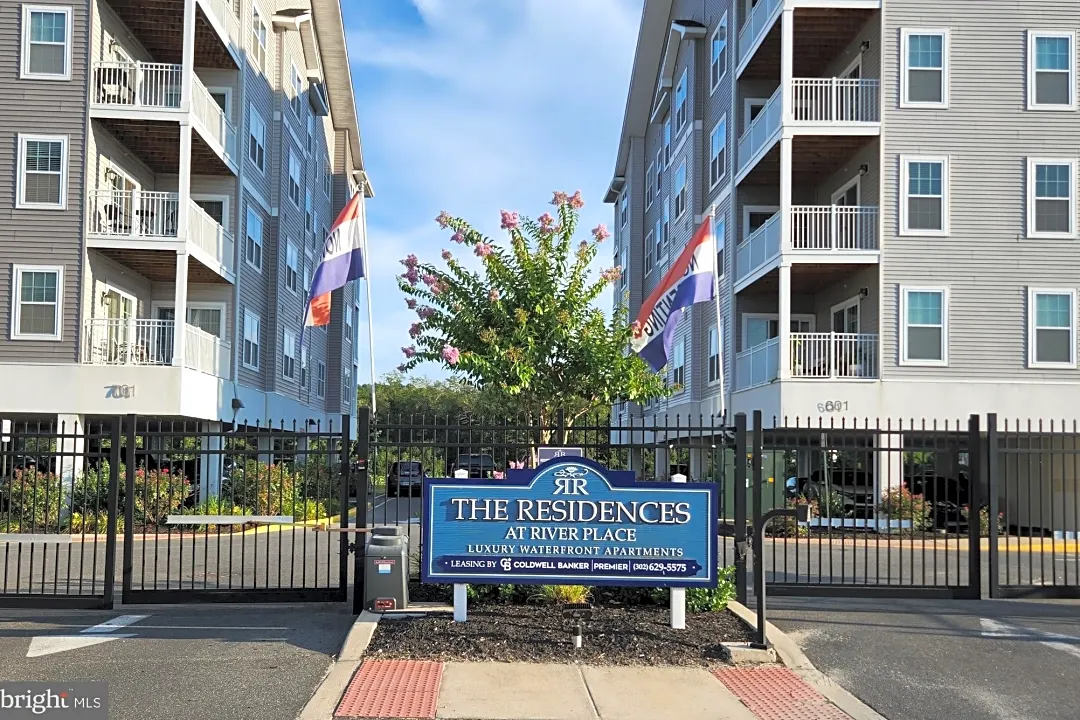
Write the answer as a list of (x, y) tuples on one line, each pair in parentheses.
[(678, 595), (461, 591)]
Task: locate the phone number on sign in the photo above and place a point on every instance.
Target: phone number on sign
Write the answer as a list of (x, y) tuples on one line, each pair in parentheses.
[(672, 567)]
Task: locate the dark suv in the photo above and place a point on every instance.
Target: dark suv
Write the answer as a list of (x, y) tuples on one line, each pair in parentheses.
[(478, 465), (405, 477)]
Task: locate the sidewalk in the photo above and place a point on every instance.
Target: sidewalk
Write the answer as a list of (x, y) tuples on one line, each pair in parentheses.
[(521, 691)]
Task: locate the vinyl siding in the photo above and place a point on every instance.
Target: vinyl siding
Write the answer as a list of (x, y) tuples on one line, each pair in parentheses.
[(51, 108), (987, 260)]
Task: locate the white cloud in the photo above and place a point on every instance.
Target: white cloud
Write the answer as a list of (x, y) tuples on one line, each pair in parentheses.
[(485, 105)]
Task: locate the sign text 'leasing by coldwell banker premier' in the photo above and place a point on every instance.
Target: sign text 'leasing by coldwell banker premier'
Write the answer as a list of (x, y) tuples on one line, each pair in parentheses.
[(569, 522)]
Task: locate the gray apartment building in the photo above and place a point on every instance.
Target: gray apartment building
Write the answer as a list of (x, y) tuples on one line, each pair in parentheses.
[(894, 185), (168, 172)]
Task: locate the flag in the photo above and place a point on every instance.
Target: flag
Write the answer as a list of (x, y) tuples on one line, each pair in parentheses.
[(342, 261), (690, 280)]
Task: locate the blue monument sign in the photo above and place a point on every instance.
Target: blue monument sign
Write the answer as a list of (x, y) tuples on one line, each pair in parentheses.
[(569, 522), (551, 453)]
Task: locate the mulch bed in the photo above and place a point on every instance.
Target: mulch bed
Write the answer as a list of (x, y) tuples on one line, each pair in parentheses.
[(616, 635)]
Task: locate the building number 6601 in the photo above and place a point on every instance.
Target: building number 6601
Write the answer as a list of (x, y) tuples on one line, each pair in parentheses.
[(832, 406)]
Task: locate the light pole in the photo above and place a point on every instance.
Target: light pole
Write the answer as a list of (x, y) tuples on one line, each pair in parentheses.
[(801, 513)]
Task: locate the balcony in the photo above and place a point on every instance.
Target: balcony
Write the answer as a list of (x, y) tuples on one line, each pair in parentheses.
[(760, 365), (834, 356), (217, 129), (144, 214), (835, 100), (834, 228), (762, 17), (128, 341), (159, 29), (207, 235), (762, 246), (137, 85), (222, 12), (763, 131)]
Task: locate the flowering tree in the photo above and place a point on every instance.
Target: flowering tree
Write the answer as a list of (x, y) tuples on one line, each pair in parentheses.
[(526, 324)]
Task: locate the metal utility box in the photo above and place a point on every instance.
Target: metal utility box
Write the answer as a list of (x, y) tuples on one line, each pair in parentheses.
[(386, 570)]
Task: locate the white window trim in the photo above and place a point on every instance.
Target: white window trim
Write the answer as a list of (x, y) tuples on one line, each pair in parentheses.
[(263, 54), (746, 317), (679, 346), (684, 81), (649, 252), (295, 78), (290, 246), (16, 301), (252, 112), (1031, 99), (157, 305), (259, 240), (1032, 292), (650, 185), (712, 39), (223, 199), (1032, 162), (748, 209), (946, 174), (244, 339), (856, 63), (904, 291), (299, 178), (684, 191), (227, 92), (20, 173), (855, 182), (713, 330), (905, 33), (288, 352), (320, 379), (748, 105), (723, 173), (24, 60), (855, 301)]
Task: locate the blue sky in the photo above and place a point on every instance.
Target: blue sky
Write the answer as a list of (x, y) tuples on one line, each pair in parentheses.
[(473, 106)]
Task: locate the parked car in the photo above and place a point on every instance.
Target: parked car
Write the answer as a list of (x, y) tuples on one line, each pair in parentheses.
[(405, 476), (479, 465), (854, 487)]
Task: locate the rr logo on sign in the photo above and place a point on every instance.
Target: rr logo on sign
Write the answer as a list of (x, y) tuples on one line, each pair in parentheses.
[(570, 481)]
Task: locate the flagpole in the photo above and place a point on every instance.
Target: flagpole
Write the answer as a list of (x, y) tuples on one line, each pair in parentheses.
[(716, 300), (367, 286)]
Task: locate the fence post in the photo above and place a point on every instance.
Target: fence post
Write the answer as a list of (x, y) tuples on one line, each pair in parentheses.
[(739, 491), (560, 427), (976, 474), (756, 477), (113, 504), (993, 480), (129, 508), (363, 438), (343, 505)]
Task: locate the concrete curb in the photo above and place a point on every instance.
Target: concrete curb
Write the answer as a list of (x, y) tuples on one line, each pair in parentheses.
[(324, 701), (794, 658)]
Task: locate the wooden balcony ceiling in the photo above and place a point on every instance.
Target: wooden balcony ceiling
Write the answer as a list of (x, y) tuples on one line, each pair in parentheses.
[(160, 265), (159, 26), (158, 145), (809, 279), (821, 34), (813, 159)]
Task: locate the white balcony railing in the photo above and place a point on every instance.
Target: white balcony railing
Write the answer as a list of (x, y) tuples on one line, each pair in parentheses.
[(834, 227), (212, 118), (115, 341), (834, 355), (764, 127), (762, 246), (759, 365), (209, 236), (224, 11), (757, 24), (206, 353), (835, 100), (137, 84), (133, 213)]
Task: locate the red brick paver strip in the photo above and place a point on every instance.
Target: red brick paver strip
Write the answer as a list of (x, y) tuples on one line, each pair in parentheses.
[(392, 689), (777, 694)]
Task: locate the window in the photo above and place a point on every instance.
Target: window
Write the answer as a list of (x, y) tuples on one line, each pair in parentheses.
[(648, 252), (680, 190), (256, 139), (253, 244), (680, 103), (39, 292), (1051, 328), (924, 186), (303, 367), (667, 141), (624, 209), (288, 354), (346, 383), (1051, 71), (718, 153), (658, 240), (307, 281), (678, 363), (924, 76), (46, 48), (650, 184), (924, 336), (258, 39), (665, 236), (721, 242), (297, 93), (714, 356), (1051, 198), (348, 318), (307, 212), (328, 180), (320, 380), (295, 178), (292, 267), (310, 132), (718, 53), (252, 328), (42, 181)]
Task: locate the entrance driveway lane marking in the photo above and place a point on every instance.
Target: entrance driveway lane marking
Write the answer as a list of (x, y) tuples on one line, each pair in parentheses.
[(41, 645)]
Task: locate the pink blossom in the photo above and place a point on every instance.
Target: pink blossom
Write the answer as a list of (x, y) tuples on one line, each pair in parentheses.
[(446, 255), (451, 354), (412, 276), (430, 279), (438, 289), (557, 229), (458, 237), (509, 220), (483, 249), (517, 464), (409, 351), (600, 232), (576, 202), (559, 198), (583, 246), (494, 295), (410, 262), (402, 367), (612, 274), (415, 330), (411, 303), (546, 222), (635, 327), (443, 219), (498, 475), (425, 312)]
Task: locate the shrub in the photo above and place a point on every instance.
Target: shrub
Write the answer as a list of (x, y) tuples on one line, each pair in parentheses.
[(563, 594), (94, 523), (635, 595), (303, 510), (266, 489), (830, 504), (90, 491), (35, 502), (158, 494), (713, 599), (214, 505), (902, 504), (497, 593), (984, 521)]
